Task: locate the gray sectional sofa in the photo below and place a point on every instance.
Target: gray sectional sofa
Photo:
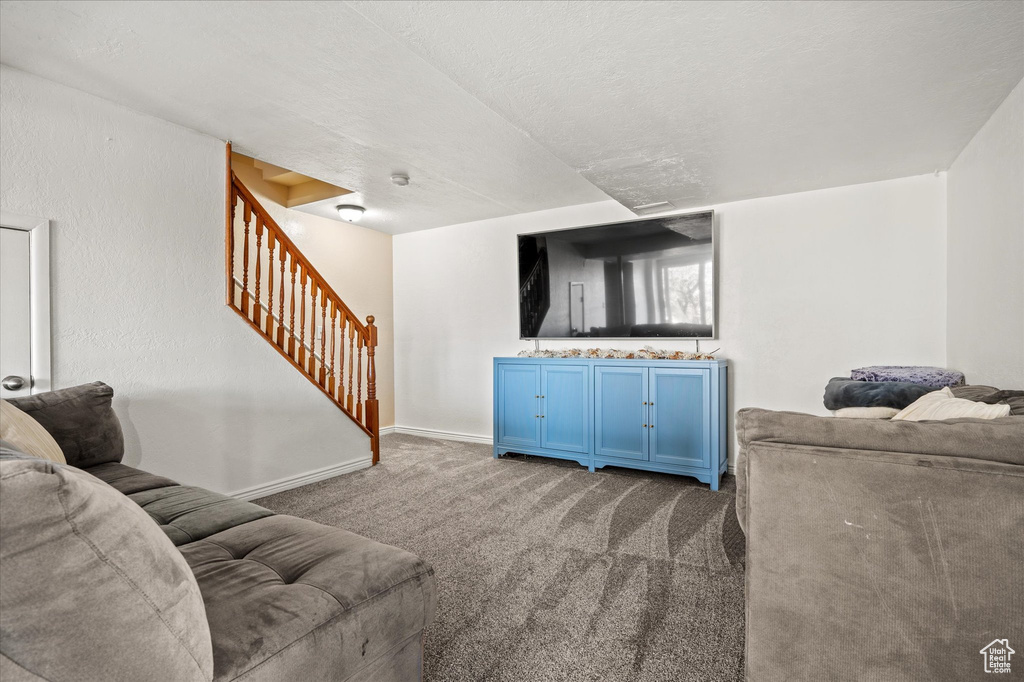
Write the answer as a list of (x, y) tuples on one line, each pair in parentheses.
[(880, 550), (215, 589)]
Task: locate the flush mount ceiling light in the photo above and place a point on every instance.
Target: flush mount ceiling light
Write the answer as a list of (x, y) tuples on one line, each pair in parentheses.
[(400, 179), (350, 212)]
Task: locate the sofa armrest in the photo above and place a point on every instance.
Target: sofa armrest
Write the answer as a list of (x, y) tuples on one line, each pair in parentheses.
[(82, 421)]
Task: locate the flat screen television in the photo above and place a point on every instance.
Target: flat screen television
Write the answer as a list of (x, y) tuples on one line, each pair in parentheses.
[(645, 278)]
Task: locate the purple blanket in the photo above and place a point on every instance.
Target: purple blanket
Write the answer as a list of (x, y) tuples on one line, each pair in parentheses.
[(936, 377)]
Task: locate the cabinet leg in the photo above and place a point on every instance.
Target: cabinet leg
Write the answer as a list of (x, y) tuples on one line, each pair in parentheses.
[(496, 455), (714, 480), (590, 468)]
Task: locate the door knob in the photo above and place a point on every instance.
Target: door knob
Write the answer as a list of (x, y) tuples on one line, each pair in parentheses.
[(13, 383)]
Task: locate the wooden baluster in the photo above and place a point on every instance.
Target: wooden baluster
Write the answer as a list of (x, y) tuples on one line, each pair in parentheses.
[(280, 313), (257, 310), (330, 383), (270, 284), (323, 340), (312, 330), (351, 354), (341, 362), (302, 318), (246, 217), (359, 381), (372, 406), (291, 323)]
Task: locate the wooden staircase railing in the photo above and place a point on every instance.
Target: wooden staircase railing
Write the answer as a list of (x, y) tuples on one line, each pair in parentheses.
[(272, 293)]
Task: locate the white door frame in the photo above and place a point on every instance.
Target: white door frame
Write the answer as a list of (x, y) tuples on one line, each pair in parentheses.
[(39, 293)]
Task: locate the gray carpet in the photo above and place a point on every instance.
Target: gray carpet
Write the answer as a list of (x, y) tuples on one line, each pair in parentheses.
[(548, 572)]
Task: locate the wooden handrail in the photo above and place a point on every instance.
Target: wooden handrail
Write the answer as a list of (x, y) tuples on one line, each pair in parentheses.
[(293, 249), (276, 261)]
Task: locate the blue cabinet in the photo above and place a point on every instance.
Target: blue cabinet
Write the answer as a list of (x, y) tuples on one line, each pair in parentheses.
[(659, 415)]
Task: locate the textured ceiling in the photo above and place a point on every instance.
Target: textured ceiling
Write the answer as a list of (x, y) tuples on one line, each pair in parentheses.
[(507, 107), (312, 87), (704, 102)]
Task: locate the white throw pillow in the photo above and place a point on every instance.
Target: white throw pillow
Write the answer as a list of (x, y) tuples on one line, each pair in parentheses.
[(866, 412), (942, 404), (28, 435)]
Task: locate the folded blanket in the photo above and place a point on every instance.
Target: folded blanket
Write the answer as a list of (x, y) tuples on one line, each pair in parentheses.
[(936, 377), (842, 392)]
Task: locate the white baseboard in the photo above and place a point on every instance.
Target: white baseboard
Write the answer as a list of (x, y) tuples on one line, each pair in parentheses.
[(282, 484), (453, 435), (443, 435)]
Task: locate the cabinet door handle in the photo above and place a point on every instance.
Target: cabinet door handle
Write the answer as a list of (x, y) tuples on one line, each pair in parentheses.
[(542, 416), (645, 426), (645, 402), (651, 426)]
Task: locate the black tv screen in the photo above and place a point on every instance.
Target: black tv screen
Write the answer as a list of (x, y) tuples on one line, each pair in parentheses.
[(646, 278)]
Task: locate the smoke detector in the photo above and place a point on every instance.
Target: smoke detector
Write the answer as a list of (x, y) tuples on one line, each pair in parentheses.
[(400, 179)]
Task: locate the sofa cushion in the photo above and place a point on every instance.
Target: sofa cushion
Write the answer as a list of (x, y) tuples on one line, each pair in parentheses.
[(287, 598), (188, 514), (81, 420), (126, 479), (25, 434), (91, 589)]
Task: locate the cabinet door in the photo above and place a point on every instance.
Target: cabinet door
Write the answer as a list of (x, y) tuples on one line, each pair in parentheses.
[(680, 403), (565, 407), (620, 412), (519, 404)]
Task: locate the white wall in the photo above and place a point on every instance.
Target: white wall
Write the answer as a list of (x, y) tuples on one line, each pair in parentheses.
[(137, 262), (985, 336), (811, 286)]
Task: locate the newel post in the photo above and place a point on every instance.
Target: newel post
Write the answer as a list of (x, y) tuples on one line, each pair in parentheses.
[(229, 230), (372, 414)]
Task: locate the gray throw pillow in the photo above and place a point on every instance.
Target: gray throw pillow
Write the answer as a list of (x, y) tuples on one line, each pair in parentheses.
[(92, 589)]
